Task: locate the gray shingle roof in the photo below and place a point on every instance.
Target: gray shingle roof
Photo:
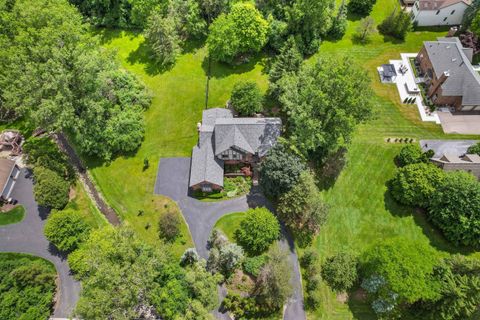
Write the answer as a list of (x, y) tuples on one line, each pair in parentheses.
[(205, 167), (448, 55), (219, 132)]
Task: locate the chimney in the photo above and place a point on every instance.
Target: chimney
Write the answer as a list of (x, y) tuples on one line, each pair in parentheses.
[(433, 89), (452, 32)]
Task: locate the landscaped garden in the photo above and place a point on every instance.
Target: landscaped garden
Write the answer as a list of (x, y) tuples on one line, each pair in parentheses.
[(232, 188), (13, 215)]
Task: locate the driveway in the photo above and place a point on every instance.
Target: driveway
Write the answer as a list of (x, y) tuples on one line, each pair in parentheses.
[(27, 237), (460, 122), (172, 181)]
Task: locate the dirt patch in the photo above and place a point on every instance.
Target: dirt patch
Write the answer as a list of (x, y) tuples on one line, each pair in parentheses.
[(342, 297), (7, 207), (360, 295), (72, 194), (241, 283)]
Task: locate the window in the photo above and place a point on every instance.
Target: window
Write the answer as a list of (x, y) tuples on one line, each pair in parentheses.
[(438, 11), (453, 11), (444, 19)]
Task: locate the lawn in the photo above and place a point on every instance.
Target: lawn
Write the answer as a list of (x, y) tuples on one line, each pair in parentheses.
[(361, 212), (13, 216), (80, 202), (178, 101), (229, 223)]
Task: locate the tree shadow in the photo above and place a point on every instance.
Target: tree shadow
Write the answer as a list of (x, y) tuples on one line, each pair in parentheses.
[(55, 252), (145, 55), (106, 35), (392, 40), (434, 235), (331, 169), (359, 306), (43, 212), (357, 40), (221, 70), (355, 16), (193, 45)]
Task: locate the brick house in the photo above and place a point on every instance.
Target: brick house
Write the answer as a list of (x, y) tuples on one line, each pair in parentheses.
[(226, 140), (451, 81)]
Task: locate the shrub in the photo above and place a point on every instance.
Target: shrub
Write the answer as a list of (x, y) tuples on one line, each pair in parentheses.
[(169, 225), (246, 98), (253, 265), (50, 189), (240, 307), (396, 25), (455, 208), (474, 149), (416, 184), (66, 229), (230, 258), (217, 239), (280, 171), (309, 258), (258, 230), (189, 257), (340, 271), (410, 154), (361, 7)]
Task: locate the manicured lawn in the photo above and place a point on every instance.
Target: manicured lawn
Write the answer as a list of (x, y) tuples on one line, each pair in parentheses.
[(230, 223), (81, 202), (13, 216), (178, 101)]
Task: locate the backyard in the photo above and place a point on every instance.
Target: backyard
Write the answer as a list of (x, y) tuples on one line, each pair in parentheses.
[(361, 212)]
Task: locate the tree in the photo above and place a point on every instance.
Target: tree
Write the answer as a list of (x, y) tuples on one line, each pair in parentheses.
[(400, 269), (258, 230), (280, 171), (396, 24), (189, 257), (455, 208), (339, 26), (361, 7), (230, 258), (410, 154), (302, 209), (66, 229), (340, 271), (471, 13), (321, 117), (27, 287), (474, 149), (203, 285), (416, 184), (288, 61), (143, 9), (161, 35), (460, 289), (213, 8), (365, 29), (246, 98), (169, 225), (50, 189), (241, 31), (106, 13), (188, 20), (273, 287)]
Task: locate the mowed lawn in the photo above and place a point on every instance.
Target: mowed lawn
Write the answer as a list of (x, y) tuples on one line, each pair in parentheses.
[(178, 101)]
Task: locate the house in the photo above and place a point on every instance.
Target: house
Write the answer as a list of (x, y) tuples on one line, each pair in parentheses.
[(226, 140), (452, 155), (9, 172), (438, 12), (451, 81)]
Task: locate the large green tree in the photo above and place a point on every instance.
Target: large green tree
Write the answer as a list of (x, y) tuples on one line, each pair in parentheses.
[(340, 271), (243, 30), (246, 98), (161, 34), (50, 189), (66, 229), (258, 230), (455, 208), (324, 102)]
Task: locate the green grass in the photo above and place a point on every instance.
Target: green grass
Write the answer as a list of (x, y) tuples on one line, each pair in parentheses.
[(230, 223), (15, 215), (80, 202)]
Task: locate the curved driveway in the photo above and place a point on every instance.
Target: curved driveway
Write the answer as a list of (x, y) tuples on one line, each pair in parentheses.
[(172, 181), (27, 237)]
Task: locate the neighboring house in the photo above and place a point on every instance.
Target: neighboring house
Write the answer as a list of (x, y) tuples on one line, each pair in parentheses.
[(9, 172), (438, 12), (225, 140), (451, 81), (451, 155)]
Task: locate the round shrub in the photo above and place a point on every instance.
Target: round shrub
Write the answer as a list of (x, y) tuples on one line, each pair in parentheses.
[(258, 230), (340, 271), (410, 154), (361, 7), (189, 257), (253, 265), (169, 226), (246, 98), (415, 184), (66, 229), (50, 189), (455, 208)]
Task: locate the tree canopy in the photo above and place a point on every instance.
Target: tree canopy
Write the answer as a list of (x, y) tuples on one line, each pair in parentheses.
[(324, 102), (340, 271), (50, 189), (246, 98), (66, 229), (243, 30), (258, 230)]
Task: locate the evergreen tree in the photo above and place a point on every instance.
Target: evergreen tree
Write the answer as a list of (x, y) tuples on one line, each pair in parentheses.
[(396, 24), (339, 26)]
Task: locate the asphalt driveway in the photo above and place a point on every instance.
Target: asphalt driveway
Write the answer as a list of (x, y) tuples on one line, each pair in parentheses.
[(27, 237), (172, 181)]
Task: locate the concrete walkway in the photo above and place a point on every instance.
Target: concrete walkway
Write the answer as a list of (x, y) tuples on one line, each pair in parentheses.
[(172, 181), (27, 237)]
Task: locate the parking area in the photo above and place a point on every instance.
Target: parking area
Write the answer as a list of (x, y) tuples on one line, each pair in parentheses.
[(172, 178), (460, 123)]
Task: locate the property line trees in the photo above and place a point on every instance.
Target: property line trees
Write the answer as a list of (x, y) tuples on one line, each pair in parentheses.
[(76, 87)]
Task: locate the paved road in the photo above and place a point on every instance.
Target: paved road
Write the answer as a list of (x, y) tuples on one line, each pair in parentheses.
[(172, 181), (27, 237)]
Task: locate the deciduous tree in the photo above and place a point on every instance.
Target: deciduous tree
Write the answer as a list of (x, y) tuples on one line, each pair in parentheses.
[(50, 189), (258, 230), (66, 229), (340, 271), (246, 98)]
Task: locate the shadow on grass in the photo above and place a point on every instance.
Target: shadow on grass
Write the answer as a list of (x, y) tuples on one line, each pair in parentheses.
[(331, 169), (392, 40), (106, 35), (222, 70), (434, 235), (359, 306), (144, 55), (355, 16)]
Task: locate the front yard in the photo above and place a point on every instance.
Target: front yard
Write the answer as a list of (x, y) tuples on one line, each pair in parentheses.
[(361, 211)]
